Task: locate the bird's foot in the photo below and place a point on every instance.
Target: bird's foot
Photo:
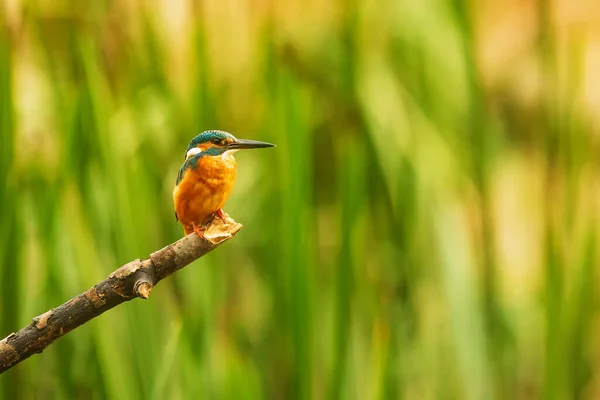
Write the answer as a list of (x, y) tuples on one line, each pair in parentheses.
[(221, 214), (199, 230)]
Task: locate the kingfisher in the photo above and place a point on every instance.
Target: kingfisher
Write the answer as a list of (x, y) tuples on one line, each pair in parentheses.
[(206, 178)]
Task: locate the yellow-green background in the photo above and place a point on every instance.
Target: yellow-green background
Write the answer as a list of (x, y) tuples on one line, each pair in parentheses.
[(427, 227)]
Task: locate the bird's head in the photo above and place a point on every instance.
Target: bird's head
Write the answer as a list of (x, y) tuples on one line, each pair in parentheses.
[(215, 143)]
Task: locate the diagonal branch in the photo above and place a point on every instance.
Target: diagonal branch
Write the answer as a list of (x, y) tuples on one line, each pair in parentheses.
[(134, 279)]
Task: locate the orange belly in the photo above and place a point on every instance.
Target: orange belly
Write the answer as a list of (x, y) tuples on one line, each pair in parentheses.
[(203, 191)]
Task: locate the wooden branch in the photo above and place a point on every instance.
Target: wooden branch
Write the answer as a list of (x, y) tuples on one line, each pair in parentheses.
[(134, 279)]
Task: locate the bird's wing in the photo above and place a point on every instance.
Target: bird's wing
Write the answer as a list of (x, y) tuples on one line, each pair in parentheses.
[(184, 166), (181, 171), (189, 163)]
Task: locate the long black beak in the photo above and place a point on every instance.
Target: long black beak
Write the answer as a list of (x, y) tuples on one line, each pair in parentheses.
[(248, 144)]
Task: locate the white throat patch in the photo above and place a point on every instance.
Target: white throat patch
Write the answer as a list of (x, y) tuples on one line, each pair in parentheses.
[(228, 153)]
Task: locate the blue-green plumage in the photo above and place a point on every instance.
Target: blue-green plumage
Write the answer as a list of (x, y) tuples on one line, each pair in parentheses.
[(189, 163), (210, 136)]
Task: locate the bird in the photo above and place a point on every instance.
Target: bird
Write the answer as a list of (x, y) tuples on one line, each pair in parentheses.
[(206, 178)]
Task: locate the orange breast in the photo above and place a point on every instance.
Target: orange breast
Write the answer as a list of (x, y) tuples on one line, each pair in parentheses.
[(203, 190)]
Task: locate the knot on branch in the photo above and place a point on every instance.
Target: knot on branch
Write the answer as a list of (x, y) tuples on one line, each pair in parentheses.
[(134, 279), (144, 281)]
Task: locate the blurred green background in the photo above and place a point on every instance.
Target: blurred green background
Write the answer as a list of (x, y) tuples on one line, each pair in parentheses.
[(425, 229)]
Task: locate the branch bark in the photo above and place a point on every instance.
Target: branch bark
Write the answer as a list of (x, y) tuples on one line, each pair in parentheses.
[(134, 279)]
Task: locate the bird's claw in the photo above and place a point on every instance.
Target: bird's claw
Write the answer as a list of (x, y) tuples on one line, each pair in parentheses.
[(199, 231)]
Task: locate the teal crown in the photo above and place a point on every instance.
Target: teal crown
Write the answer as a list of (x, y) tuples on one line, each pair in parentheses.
[(213, 136)]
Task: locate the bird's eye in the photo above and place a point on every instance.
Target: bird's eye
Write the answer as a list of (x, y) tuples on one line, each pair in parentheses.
[(216, 141)]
